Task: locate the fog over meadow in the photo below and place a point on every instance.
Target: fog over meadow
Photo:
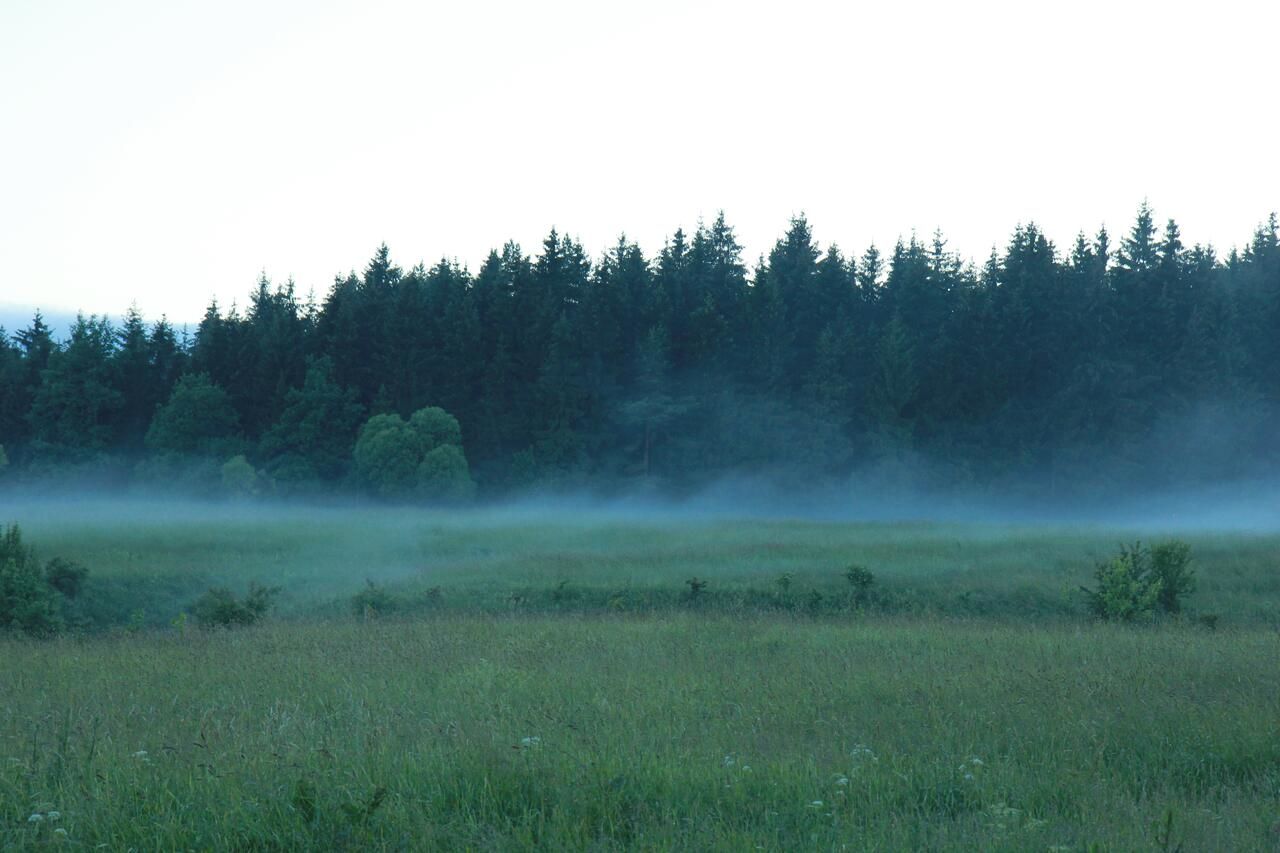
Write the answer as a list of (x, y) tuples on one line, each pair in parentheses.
[(1244, 506)]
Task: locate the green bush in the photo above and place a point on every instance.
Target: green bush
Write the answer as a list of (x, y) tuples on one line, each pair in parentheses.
[(1126, 589), (860, 580), (1139, 582), (240, 479), (33, 598), (373, 600), (1171, 563), (27, 603), (219, 607), (444, 476), (66, 577)]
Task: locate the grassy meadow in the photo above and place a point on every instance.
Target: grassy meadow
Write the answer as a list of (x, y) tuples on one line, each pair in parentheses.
[(544, 680)]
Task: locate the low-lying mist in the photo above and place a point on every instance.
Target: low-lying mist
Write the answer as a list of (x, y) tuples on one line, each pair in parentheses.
[(150, 557), (881, 495)]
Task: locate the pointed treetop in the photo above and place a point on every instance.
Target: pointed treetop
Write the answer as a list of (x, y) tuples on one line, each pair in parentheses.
[(1138, 250)]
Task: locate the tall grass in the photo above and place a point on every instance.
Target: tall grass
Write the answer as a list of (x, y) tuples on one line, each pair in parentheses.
[(557, 686), (682, 732), (155, 561)]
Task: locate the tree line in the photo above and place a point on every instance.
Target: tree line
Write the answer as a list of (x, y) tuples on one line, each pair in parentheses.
[(1104, 362)]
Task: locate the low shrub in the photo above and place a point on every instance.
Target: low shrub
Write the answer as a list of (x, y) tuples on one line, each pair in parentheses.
[(33, 598), (372, 601), (1171, 564), (563, 593), (66, 577), (219, 607), (860, 580), (240, 479), (1140, 582)]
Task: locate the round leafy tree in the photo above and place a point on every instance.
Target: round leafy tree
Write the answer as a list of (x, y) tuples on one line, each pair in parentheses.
[(423, 456)]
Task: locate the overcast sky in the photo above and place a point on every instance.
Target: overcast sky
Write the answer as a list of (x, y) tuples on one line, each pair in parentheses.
[(166, 152)]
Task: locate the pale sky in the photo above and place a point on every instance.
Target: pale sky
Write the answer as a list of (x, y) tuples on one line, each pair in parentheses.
[(166, 152)]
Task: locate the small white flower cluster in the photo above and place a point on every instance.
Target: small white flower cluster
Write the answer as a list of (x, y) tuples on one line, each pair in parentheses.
[(821, 807), (49, 814), (730, 762), (531, 742), (862, 755), (970, 767), (841, 782)]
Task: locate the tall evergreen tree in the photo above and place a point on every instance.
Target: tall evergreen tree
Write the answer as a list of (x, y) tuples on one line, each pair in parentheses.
[(77, 405), (314, 436), (134, 380)]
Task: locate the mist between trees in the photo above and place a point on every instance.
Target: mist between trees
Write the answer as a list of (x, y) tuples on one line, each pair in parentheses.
[(1108, 364)]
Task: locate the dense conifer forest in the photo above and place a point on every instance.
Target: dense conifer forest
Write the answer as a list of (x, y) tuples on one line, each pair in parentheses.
[(1113, 362)]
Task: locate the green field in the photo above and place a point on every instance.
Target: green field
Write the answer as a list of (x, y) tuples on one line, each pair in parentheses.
[(545, 681)]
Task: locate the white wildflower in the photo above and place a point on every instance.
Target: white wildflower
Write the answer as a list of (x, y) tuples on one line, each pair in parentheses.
[(968, 777), (35, 818), (53, 815), (816, 804), (530, 742), (1001, 810), (59, 831), (728, 761), (842, 780)]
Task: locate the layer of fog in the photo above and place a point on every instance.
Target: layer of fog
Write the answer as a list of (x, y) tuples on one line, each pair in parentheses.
[(1237, 506)]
